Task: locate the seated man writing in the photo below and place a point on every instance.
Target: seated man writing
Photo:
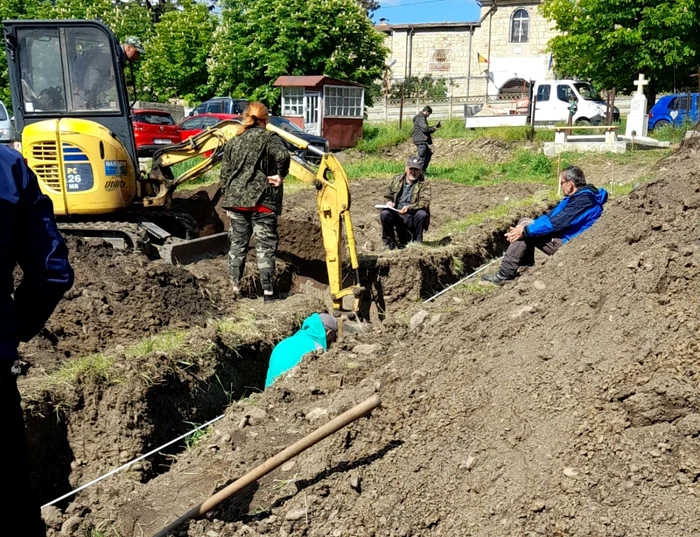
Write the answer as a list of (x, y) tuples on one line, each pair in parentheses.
[(581, 207), (316, 334), (408, 197)]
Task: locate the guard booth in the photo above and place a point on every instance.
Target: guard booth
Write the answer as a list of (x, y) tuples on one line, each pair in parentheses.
[(324, 106)]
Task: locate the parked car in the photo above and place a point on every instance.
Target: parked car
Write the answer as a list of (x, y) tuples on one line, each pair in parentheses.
[(196, 124), (221, 105), (6, 129), (317, 142), (154, 129), (673, 110)]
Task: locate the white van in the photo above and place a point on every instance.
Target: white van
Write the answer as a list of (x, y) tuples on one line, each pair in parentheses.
[(552, 102), (6, 130), (551, 106)]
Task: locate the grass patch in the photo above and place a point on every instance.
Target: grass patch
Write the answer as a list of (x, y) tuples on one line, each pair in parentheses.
[(193, 439), (504, 211), (475, 287), (93, 368), (211, 177), (376, 136), (168, 342)]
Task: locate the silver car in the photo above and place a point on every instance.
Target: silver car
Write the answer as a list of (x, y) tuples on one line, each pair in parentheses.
[(6, 130)]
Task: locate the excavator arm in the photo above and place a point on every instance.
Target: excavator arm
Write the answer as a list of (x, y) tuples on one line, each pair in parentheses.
[(329, 178)]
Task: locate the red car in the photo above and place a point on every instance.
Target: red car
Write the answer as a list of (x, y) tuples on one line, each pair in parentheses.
[(154, 129), (196, 124)]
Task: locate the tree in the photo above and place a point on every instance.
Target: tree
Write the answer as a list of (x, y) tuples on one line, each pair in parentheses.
[(176, 63), (370, 6), (609, 43), (259, 40), (427, 88)]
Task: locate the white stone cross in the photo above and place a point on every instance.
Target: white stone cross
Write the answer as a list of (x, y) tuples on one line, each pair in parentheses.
[(640, 83)]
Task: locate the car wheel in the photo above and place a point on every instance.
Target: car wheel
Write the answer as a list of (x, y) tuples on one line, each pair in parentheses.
[(583, 122), (660, 124)]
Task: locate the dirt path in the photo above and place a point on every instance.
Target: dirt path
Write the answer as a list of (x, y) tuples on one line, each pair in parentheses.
[(562, 404)]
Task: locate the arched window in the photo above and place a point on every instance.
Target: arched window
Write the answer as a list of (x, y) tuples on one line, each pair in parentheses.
[(440, 60), (520, 26)]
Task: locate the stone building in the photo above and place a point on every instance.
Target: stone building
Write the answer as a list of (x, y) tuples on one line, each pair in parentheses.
[(511, 34)]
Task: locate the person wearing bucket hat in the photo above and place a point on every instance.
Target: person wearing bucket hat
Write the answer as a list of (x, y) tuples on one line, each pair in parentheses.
[(407, 199), (316, 334)]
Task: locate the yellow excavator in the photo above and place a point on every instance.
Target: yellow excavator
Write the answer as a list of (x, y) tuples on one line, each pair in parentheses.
[(71, 106)]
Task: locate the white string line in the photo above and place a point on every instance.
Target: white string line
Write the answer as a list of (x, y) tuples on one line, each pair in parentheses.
[(463, 279), (124, 466)]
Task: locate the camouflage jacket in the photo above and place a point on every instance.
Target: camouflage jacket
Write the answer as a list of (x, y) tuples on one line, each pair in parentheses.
[(248, 160), (420, 197)]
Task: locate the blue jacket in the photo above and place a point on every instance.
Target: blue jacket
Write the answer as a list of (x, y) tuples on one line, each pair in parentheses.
[(574, 215), (31, 239), (289, 352)]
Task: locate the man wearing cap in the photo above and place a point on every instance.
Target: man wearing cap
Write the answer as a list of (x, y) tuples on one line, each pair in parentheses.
[(316, 334), (422, 135), (408, 202), (130, 51), (94, 78)]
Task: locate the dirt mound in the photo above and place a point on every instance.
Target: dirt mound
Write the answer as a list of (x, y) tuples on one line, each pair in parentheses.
[(562, 404), (119, 297)]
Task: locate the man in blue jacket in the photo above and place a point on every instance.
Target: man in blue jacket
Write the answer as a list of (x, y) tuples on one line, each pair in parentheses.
[(581, 207), (31, 239), (316, 334)]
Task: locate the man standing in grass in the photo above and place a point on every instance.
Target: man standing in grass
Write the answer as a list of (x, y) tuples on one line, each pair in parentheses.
[(422, 135), (408, 202)]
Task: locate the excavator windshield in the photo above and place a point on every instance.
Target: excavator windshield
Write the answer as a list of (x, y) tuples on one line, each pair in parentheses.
[(78, 77)]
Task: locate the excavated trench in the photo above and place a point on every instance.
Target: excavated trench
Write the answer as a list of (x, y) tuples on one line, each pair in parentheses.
[(82, 428)]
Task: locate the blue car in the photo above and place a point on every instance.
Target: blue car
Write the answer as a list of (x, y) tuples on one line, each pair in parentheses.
[(673, 110)]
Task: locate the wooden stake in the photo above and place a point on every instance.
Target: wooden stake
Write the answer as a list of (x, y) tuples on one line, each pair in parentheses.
[(278, 460), (558, 174)]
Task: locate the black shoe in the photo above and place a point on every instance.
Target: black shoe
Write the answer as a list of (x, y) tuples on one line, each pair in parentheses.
[(496, 279), (389, 246)]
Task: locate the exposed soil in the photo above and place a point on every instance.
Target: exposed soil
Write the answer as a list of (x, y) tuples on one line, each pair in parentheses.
[(564, 404), (118, 298), (445, 151)]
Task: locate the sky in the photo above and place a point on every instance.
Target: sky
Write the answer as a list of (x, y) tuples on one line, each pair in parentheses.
[(415, 11)]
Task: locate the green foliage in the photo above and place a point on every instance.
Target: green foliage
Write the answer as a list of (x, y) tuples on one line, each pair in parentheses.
[(378, 136), (259, 40), (609, 42), (176, 63), (413, 87)]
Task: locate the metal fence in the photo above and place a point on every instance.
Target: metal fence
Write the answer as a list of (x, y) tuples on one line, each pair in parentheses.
[(389, 110)]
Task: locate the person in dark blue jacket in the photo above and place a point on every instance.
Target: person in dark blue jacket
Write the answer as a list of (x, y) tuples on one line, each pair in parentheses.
[(581, 207), (31, 239)]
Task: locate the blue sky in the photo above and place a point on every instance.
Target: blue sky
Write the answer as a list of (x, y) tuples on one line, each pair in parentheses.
[(414, 11)]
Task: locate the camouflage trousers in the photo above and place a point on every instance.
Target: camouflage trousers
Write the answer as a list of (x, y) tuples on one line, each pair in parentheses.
[(263, 227)]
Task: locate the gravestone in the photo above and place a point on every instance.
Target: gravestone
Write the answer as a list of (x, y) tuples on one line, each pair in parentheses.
[(638, 119)]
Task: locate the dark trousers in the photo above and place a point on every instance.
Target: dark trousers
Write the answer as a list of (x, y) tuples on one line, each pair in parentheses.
[(522, 253), (407, 226), (262, 226), (425, 153), (19, 508)]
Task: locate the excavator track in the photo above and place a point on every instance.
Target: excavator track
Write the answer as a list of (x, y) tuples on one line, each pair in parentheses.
[(136, 231)]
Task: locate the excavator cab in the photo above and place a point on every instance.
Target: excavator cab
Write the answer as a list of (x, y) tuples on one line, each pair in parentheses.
[(71, 106)]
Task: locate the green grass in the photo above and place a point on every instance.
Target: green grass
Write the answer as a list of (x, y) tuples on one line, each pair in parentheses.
[(376, 136), (498, 212), (525, 166), (93, 368), (193, 439), (474, 287), (167, 342)]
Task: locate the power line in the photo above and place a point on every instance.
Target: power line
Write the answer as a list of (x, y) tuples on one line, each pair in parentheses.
[(413, 4)]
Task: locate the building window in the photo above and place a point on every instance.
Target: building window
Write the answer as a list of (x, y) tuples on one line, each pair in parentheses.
[(293, 102), (439, 60), (520, 26), (344, 101)]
